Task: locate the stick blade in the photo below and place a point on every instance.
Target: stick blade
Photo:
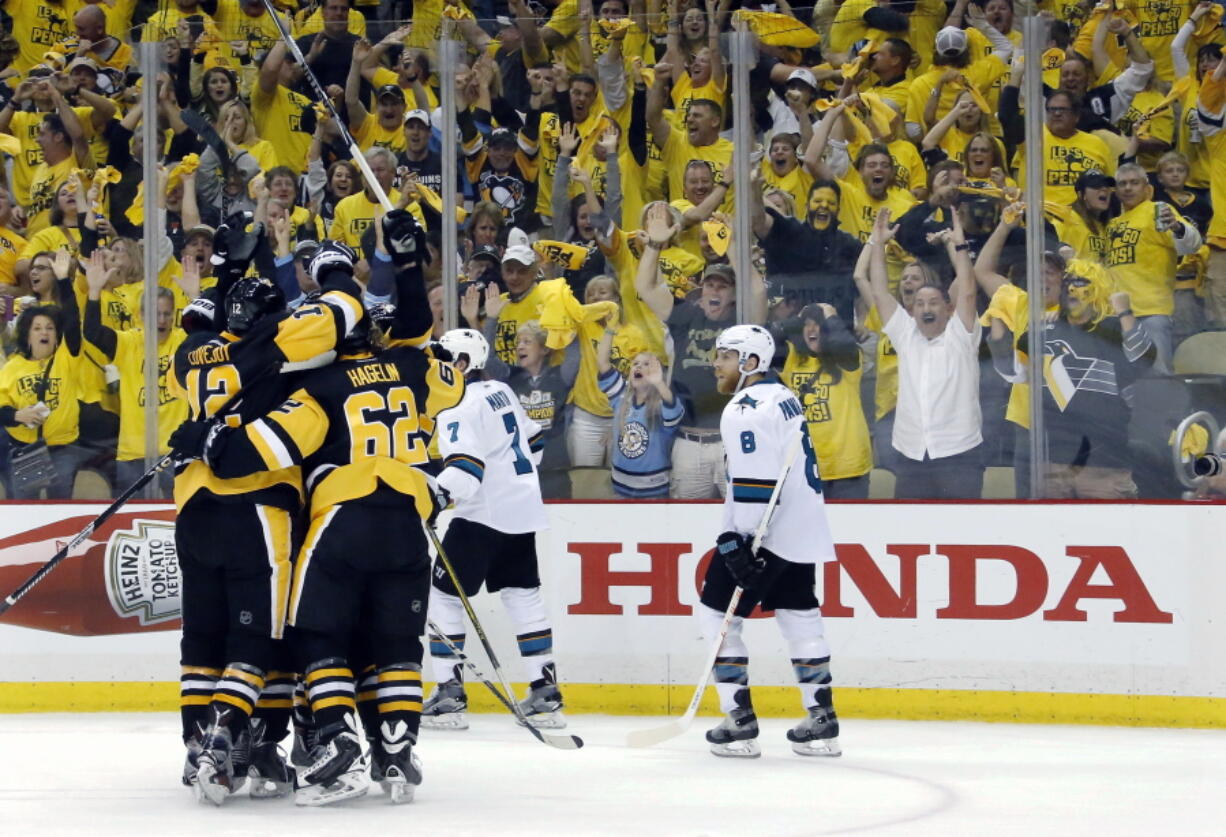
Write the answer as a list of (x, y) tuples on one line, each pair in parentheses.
[(656, 735), (562, 742)]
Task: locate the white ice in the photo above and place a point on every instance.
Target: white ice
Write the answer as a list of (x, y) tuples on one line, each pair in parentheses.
[(118, 774)]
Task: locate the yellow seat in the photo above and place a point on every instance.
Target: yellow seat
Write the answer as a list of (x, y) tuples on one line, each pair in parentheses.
[(1201, 354), (998, 483), (881, 484), (90, 485)]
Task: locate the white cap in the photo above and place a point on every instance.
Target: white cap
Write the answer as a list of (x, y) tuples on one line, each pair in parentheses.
[(802, 74), (521, 253), (517, 238), (419, 115), (951, 41)]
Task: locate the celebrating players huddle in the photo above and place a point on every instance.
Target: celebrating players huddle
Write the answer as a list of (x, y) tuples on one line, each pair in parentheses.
[(306, 497)]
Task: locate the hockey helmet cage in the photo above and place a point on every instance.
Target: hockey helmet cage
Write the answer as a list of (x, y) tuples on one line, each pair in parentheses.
[(250, 299), (748, 341), (467, 343)]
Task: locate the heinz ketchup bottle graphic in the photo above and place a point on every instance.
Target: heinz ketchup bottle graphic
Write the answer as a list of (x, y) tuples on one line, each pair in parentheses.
[(123, 579)]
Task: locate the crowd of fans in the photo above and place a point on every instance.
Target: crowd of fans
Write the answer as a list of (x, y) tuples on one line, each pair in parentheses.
[(596, 213)]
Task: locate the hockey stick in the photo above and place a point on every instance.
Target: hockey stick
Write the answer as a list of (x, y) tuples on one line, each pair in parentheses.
[(94, 524), (655, 735), (562, 742), (355, 152)]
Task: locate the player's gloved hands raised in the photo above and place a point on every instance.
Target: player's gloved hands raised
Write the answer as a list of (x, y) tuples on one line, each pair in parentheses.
[(745, 567), (234, 248), (404, 238), (187, 441), (331, 255)]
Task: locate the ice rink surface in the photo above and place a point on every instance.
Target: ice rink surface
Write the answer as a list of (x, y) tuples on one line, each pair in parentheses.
[(118, 774)]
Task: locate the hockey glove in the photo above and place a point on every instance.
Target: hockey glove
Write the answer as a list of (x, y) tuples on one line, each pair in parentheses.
[(331, 255), (187, 441), (404, 238), (235, 250), (743, 565), (441, 498)]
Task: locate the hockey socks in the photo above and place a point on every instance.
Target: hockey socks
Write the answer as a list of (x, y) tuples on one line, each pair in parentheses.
[(526, 608), (196, 684)]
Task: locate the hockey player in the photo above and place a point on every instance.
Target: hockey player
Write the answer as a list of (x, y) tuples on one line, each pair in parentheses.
[(357, 428), (236, 537), (761, 426), (490, 448)]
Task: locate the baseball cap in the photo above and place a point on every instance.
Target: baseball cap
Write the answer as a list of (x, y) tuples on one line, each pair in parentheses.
[(520, 253), (83, 61), (392, 90), (486, 251), (200, 229), (723, 272), (502, 136), (1094, 179), (418, 114), (803, 74), (951, 41)]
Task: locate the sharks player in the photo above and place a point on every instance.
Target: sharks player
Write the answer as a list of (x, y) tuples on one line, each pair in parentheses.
[(762, 426), (490, 449)]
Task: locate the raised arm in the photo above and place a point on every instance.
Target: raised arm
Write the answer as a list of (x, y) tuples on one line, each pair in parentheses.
[(813, 162), (985, 266), (354, 109), (963, 288), (879, 279), (933, 138), (648, 282), (655, 105)]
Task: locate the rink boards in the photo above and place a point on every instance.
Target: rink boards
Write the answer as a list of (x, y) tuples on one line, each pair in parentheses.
[(1077, 613)]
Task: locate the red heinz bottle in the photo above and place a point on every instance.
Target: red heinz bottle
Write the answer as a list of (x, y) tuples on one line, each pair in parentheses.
[(123, 579)]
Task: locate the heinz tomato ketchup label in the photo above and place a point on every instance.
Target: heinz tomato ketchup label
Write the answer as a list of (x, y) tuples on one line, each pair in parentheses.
[(123, 579)]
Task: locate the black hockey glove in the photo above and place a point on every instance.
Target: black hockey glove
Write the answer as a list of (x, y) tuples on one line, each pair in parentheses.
[(744, 566), (441, 498), (234, 249), (404, 238), (187, 441)]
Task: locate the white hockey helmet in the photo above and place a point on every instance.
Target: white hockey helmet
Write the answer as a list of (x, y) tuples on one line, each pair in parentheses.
[(748, 341), (468, 342)]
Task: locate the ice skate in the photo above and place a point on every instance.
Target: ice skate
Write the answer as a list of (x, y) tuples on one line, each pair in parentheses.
[(816, 735), (270, 775), (737, 735), (543, 705), (215, 766), (446, 708), (399, 773), (334, 771), (191, 760)]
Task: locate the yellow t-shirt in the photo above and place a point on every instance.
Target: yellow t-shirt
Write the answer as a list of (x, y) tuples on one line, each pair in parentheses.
[(678, 153), (1191, 142), (634, 310), (589, 131), (130, 360), (37, 27), (980, 48), (371, 133), (263, 152), (20, 380), (796, 183), (685, 92), (858, 210), (512, 316), (834, 416), (301, 217), (44, 183), (233, 24), (356, 23), (164, 23), (1089, 242), (1064, 160), (565, 21), (11, 244), (278, 119), (1212, 101), (983, 74), (52, 239), (25, 126), (586, 395), (1142, 260), (886, 396), (354, 214), (909, 171), (1161, 127)]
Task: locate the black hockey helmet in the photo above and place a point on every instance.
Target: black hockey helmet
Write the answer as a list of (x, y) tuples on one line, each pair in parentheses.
[(250, 299)]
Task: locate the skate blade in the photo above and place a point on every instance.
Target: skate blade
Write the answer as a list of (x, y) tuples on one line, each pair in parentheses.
[(399, 791), (210, 786), (264, 788), (748, 749), (546, 720), (349, 785), (828, 747), (448, 720)]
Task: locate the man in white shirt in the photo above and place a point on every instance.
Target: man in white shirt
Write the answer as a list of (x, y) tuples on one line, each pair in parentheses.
[(937, 424)]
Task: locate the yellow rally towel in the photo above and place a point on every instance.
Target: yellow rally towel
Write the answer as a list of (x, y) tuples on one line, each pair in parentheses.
[(775, 29), (434, 200), (187, 165), (853, 68), (457, 12), (569, 256), (10, 145), (564, 317), (719, 236), (1009, 306), (611, 27)]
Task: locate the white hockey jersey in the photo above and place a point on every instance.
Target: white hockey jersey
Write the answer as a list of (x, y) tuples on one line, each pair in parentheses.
[(759, 427), (490, 449)]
